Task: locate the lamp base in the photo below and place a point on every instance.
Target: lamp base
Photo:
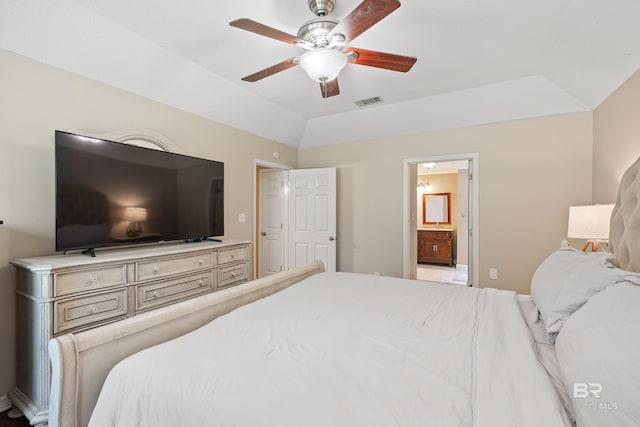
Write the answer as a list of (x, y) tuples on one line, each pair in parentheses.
[(596, 245), (134, 229)]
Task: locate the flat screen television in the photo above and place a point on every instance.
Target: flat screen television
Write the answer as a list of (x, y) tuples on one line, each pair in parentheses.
[(109, 193)]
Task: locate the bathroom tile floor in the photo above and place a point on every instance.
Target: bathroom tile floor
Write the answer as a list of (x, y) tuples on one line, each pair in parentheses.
[(441, 273)]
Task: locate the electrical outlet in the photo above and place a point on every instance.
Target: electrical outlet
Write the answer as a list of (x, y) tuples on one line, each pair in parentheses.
[(493, 273)]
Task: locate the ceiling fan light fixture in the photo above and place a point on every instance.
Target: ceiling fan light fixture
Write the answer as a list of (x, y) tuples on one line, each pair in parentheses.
[(323, 64), (327, 43)]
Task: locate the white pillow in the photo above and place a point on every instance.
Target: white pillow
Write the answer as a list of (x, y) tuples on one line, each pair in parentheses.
[(629, 276), (566, 280), (598, 352)]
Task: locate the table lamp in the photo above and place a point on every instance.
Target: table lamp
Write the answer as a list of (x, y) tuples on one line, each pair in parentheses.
[(135, 216), (591, 223)]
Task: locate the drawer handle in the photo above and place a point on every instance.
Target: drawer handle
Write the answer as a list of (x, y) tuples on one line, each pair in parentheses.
[(156, 294), (92, 279), (93, 309), (200, 282), (234, 274), (156, 269), (201, 261), (232, 255)]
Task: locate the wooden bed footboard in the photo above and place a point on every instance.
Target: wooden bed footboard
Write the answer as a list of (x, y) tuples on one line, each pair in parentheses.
[(81, 361)]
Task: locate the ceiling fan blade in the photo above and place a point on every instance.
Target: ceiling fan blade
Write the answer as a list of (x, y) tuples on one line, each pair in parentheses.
[(271, 70), (265, 30), (363, 17), (388, 61), (329, 88)]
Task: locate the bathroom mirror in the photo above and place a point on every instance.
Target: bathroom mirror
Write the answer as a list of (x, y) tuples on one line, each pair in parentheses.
[(436, 208)]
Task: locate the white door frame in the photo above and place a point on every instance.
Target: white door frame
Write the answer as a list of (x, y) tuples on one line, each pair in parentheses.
[(474, 232), (270, 165)]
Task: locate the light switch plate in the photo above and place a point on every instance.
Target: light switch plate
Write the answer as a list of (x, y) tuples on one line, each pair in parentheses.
[(242, 217)]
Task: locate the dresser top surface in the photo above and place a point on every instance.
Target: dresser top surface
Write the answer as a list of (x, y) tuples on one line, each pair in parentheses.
[(51, 262)]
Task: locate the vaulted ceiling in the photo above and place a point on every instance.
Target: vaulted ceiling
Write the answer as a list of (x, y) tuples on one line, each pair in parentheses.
[(479, 61)]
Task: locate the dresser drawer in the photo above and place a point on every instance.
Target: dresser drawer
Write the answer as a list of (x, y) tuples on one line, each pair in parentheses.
[(231, 255), (155, 294), (74, 312), (233, 274), (166, 267), (435, 234), (89, 280)]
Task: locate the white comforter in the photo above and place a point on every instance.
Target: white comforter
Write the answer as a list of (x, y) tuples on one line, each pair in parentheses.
[(343, 349)]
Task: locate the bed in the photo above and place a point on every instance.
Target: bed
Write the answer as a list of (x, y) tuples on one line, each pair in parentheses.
[(305, 347)]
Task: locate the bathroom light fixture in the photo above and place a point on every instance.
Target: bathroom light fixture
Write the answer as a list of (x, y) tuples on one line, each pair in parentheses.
[(425, 188), (324, 64)]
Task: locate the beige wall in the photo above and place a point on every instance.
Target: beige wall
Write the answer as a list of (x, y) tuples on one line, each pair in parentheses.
[(37, 99), (530, 172), (616, 138)]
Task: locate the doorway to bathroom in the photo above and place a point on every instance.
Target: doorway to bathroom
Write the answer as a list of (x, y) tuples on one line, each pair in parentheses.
[(440, 219)]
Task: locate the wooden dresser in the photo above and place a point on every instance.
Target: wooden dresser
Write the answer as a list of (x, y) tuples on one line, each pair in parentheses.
[(69, 293), (435, 246)]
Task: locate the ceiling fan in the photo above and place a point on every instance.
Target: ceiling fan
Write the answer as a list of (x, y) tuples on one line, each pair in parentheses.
[(326, 41)]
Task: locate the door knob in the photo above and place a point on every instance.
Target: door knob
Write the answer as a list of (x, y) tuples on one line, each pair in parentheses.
[(264, 233), (331, 238)]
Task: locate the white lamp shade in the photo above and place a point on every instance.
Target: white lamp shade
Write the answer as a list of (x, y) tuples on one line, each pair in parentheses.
[(135, 214), (589, 222), (323, 64)]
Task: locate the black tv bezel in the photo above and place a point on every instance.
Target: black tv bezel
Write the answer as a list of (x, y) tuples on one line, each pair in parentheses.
[(90, 249)]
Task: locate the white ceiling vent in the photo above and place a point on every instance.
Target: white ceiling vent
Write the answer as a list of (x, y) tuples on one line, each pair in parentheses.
[(369, 101)]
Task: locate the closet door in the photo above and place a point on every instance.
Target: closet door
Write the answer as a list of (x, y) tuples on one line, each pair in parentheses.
[(272, 210), (312, 217)]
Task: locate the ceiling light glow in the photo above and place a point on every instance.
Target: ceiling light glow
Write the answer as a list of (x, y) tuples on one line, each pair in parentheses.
[(324, 64)]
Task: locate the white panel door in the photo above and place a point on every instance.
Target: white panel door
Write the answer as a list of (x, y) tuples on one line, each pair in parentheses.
[(272, 210), (312, 217)]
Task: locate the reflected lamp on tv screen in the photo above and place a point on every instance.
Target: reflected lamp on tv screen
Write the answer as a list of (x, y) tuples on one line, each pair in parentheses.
[(109, 194)]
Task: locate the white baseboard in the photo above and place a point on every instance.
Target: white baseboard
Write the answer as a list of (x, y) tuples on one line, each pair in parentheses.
[(462, 266), (5, 403)]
